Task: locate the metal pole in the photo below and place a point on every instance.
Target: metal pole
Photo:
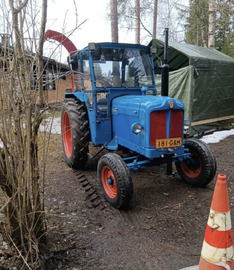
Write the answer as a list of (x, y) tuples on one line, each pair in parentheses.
[(165, 67)]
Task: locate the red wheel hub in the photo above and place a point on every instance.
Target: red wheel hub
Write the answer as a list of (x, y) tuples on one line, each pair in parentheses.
[(192, 168), (109, 182), (67, 134)]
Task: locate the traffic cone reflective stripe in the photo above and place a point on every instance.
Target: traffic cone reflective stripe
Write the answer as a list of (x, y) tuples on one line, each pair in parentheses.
[(219, 230), (220, 221), (217, 250)]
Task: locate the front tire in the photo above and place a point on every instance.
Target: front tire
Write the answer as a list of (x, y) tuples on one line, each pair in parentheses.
[(75, 133), (201, 168), (115, 180)]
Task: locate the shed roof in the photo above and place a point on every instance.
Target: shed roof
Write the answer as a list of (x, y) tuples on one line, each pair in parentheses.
[(182, 54)]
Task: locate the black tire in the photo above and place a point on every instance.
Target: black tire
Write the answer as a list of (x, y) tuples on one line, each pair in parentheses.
[(75, 133), (212, 158), (201, 168), (115, 180)]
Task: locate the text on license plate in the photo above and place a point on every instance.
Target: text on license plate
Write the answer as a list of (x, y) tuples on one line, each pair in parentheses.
[(172, 142)]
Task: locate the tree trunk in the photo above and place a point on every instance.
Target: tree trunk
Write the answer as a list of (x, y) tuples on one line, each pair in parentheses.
[(200, 11), (203, 35), (155, 15), (39, 215), (211, 34), (114, 21), (137, 21)]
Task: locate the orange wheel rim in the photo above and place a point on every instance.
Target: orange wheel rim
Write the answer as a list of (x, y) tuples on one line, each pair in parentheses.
[(67, 134), (108, 182), (194, 168)]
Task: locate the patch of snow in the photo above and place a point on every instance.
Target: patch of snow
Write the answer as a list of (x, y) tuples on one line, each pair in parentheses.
[(217, 136), (52, 125)]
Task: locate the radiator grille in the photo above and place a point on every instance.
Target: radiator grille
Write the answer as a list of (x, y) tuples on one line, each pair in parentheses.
[(158, 125), (176, 125)]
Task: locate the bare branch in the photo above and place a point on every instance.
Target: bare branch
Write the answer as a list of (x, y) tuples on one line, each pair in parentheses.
[(20, 7), (20, 253)]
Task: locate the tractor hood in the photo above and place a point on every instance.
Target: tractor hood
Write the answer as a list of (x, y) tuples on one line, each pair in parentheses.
[(132, 105), (130, 112)]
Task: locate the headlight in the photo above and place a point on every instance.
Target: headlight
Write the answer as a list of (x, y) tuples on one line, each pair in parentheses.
[(187, 124), (137, 128)]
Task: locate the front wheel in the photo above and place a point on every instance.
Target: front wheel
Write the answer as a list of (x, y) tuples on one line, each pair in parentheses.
[(115, 180), (201, 168)]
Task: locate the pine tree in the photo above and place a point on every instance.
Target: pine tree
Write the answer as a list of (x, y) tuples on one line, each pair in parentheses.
[(225, 27), (221, 19), (196, 29)]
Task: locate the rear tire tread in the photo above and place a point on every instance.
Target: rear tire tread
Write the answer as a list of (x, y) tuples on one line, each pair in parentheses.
[(80, 133)]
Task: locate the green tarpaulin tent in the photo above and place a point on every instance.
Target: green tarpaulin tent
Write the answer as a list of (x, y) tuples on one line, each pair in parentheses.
[(203, 78)]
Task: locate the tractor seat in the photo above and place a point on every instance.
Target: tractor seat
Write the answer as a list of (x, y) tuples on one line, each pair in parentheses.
[(102, 105)]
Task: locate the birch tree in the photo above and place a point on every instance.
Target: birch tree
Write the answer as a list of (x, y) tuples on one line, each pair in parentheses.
[(211, 33), (155, 16), (137, 21)]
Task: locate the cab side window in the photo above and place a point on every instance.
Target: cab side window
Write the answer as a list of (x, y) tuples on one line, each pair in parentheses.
[(86, 80)]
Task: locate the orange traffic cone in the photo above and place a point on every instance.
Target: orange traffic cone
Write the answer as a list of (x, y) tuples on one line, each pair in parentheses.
[(217, 250)]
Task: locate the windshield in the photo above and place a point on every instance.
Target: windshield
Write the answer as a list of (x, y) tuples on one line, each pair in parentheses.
[(122, 68)]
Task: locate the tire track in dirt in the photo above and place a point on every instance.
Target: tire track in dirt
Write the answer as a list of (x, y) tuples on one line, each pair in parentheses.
[(128, 218), (97, 200), (91, 192)]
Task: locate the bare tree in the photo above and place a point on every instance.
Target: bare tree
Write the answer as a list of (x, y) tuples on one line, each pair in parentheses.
[(21, 98), (137, 16), (168, 18)]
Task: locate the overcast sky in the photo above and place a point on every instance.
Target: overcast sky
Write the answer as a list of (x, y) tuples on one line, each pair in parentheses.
[(62, 18), (62, 14), (96, 28)]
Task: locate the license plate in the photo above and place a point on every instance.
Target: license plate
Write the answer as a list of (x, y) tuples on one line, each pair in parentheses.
[(172, 142)]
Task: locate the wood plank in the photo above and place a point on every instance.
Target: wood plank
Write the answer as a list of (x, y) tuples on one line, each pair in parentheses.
[(208, 121)]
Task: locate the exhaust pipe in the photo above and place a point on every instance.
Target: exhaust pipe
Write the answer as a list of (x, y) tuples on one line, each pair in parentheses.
[(165, 67)]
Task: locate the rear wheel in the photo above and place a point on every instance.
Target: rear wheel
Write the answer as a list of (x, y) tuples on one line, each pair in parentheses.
[(75, 133), (201, 168), (115, 180)]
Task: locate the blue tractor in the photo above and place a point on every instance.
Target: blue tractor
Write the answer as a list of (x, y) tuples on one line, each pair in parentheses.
[(114, 105)]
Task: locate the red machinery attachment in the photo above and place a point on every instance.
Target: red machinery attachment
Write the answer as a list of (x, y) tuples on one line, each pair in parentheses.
[(65, 41)]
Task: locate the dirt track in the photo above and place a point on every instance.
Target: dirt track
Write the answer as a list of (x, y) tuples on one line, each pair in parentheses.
[(162, 229)]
